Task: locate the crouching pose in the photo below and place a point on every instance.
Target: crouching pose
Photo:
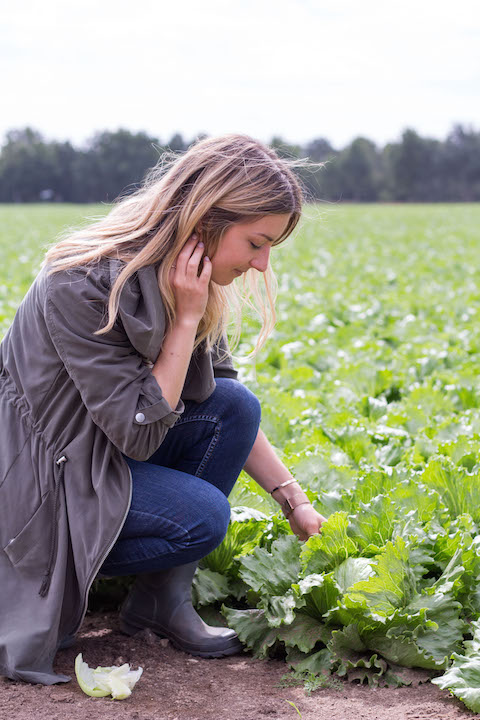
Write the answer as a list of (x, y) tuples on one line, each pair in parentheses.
[(123, 426)]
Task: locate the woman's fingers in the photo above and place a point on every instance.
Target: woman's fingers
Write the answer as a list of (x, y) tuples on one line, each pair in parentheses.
[(306, 521), (188, 263), (206, 270), (189, 259), (194, 260), (188, 252), (190, 280)]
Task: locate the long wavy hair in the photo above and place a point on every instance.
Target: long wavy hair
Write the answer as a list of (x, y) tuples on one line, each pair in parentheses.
[(218, 182)]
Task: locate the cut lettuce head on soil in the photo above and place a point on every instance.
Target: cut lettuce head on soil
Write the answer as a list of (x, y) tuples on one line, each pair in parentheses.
[(102, 681)]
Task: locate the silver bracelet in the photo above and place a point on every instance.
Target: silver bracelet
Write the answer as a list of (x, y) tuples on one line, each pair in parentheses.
[(287, 482)]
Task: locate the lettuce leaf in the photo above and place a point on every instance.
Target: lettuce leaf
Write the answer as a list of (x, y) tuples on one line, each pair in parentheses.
[(463, 677), (329, 549), (252, 629), (243, 535), (271, 574)]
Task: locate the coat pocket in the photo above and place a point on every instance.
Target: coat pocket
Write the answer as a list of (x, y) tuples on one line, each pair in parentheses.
[(29, 549)]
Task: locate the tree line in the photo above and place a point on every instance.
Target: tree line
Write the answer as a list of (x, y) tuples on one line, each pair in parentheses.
[(413, 169)]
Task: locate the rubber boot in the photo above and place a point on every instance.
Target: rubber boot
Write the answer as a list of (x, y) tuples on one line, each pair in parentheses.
[(162, 601)]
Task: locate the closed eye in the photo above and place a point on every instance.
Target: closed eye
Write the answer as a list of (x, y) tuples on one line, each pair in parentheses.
[(257, 247)]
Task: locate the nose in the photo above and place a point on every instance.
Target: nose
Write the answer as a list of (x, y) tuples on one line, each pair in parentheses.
[(260, 261)]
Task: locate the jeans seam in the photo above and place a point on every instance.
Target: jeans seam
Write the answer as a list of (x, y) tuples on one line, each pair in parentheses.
[(213, 441), (193, 418), (146, 514), (209, 450), (113, 564)]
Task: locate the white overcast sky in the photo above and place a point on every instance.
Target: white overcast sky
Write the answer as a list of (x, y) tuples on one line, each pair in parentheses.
[(297, 68)]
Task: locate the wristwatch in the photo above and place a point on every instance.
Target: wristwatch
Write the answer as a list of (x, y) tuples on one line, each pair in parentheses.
[(289, 505)]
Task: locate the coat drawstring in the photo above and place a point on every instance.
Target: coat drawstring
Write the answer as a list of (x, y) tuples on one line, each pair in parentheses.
[(54, 536)]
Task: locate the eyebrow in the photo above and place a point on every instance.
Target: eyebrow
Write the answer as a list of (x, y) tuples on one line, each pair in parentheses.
[(265, 236)]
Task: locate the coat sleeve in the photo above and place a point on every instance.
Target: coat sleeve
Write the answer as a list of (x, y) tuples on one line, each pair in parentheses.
[(115, 384), (222, 360)]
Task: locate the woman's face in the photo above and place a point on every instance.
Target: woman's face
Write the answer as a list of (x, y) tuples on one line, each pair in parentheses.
[(246, 245)]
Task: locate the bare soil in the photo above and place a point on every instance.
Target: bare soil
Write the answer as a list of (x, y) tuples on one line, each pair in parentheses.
[(175, 686)]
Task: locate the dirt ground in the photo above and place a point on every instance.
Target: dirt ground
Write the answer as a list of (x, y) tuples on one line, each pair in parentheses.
[(175, 686)]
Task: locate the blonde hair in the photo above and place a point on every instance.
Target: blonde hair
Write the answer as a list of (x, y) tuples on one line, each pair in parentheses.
[(218, 182)]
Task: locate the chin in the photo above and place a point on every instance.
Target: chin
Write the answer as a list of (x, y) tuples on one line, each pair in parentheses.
[(222, 281), (224, 278)]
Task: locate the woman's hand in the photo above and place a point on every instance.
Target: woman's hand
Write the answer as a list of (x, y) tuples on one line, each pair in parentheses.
[(189, 287), (305, 521)]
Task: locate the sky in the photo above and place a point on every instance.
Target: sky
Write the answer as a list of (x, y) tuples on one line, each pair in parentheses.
[(298, 69)]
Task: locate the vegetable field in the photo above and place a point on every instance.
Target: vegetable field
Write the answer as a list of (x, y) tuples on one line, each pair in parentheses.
[(370, 392)]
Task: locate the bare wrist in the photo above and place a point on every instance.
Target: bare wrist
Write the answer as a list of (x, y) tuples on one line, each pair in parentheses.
[(186, 323)]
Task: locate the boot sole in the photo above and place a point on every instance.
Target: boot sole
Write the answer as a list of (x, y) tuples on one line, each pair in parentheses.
[(129, 629)]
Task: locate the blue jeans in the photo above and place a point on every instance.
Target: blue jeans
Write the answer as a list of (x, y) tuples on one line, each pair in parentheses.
[(179, 511)]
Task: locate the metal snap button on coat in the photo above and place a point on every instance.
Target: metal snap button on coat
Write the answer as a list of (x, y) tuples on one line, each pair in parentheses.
[(140, 417)]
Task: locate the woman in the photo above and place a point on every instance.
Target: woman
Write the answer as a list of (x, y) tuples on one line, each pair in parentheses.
[(124, 426)]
